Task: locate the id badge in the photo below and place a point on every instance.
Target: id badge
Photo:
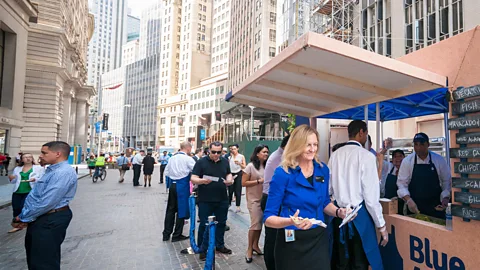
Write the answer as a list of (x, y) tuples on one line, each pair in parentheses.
[(289, 235)]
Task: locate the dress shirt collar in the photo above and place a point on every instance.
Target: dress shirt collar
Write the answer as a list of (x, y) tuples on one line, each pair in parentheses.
[(56, 165), (353, 141)]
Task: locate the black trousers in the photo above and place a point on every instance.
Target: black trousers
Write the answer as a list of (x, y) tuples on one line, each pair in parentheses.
[(162, 169), (270, 240), (136, 174), (357, 259), (235, 188), (18, 200), (44, 238), (170, 218)]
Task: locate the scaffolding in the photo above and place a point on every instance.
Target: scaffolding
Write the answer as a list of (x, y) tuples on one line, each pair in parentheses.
[(338, 19)]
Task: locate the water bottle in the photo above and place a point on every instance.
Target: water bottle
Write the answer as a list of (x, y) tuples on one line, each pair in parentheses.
[(448, 215)]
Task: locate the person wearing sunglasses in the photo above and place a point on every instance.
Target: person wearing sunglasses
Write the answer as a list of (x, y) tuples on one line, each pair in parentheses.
[(212, 175)]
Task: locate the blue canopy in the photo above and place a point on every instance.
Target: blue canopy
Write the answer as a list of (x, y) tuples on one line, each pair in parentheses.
[(419, 104)]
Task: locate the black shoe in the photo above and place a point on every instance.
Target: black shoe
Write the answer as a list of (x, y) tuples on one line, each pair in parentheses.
[(224, 250), (180, 238), (145, 185), (166, 238), (203, 256), (227, 228), (149, 185), (248, 260), (258, 252)]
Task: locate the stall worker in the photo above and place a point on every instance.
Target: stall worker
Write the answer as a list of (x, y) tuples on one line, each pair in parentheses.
[(424, 180), (354, 182), (388, 185)]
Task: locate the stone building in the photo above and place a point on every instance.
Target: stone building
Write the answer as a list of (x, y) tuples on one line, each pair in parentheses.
[(14, 20), (56, 103)]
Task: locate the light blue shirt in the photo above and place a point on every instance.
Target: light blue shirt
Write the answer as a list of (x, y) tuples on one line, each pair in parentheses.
[(122, 160), (55, 189), (164, 159)]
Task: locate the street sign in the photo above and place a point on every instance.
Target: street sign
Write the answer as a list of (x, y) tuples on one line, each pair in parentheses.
[(98, 125), (105, 122), (202, 134)]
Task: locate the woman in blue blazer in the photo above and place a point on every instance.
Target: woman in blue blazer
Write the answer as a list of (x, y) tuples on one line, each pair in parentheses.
[(298, 193)]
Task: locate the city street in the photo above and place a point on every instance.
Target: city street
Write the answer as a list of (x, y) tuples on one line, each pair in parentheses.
[(118, 226)]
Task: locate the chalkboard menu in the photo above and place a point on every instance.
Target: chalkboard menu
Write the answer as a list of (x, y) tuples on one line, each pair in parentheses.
[(466, 183), (467, 167), (472, 121), (468, 138), (466, 212), (464, 109), (470, 106), (465, 152), (468, 92)]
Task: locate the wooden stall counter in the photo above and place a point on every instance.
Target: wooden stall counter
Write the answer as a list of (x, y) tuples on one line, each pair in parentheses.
[(417, 244)]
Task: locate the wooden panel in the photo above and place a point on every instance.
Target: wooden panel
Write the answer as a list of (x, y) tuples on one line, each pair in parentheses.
[(465, 152), (468, 138), (468, 92), (466, 107), (464, 122), (470, 183), (466, 197), (466, 212), (467, 167)]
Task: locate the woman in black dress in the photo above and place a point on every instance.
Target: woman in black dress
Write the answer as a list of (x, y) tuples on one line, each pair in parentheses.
[(148, 163)]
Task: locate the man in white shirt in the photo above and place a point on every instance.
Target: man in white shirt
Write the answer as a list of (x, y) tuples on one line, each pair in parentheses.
[(137, 167), (354, 182), (178, 170), (424, 180)]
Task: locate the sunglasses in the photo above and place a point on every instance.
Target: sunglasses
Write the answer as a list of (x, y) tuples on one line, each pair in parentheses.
[(216, 152)]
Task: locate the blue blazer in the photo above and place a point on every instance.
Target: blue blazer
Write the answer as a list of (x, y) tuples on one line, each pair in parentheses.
[(291, 191)]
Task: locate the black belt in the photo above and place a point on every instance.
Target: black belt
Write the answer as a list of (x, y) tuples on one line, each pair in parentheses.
[(58, 210)]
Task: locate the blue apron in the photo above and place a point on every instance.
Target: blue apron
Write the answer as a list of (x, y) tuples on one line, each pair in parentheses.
[(366, 229), (391, 190), (425, 188), (183, 193)]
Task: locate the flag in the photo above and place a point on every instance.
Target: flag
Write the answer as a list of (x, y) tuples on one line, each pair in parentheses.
[(113, 87)]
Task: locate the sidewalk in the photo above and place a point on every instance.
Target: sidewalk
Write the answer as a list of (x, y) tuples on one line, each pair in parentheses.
[(6, 188)]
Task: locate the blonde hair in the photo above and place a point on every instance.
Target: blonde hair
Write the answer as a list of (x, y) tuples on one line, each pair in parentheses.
[(296, 146)]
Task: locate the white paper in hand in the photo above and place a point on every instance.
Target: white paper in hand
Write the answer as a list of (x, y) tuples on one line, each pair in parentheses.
[(212, 178), (350, 215)]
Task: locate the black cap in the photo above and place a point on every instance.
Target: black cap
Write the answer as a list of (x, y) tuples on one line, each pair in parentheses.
[(420, 137)]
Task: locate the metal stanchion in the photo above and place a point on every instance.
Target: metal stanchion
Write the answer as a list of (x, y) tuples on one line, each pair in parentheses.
[(211, 227)]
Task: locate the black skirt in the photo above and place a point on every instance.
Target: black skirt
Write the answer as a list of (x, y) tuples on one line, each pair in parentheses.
[(147, 171), (310, 250)]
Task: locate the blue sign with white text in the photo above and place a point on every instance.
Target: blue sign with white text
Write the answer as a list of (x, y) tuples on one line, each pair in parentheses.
[(97, 127), (202, 134)]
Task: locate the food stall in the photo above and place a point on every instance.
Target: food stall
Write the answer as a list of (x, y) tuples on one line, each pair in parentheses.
[(318, 76)]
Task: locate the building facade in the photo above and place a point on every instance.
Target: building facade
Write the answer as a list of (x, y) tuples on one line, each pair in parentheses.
[(220, 37), (186, 55), (252, 38), (14, 26), (142, 81), (113, 83), (150, 30), (131, 52), (133, 28), (56, 102), (110, 34)]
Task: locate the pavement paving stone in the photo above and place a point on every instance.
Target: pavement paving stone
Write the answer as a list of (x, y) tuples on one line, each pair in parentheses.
[(118, 226)]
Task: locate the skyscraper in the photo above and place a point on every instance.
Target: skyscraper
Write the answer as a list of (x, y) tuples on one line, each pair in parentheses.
[(133, 28), (105, 49)]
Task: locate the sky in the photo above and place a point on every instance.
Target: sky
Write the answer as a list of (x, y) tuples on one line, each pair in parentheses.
[(138, 5)]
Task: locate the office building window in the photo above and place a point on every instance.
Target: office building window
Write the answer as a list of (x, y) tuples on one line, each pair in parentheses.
[(173, 120), (162, 120), (172, 131), (271, 52)]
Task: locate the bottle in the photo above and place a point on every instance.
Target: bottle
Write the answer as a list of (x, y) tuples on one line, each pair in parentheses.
[(448, 215)]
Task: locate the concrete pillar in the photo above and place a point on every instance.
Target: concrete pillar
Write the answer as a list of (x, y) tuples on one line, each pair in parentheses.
[(73, 119), (323, 128), (67, 102), (81, 124)]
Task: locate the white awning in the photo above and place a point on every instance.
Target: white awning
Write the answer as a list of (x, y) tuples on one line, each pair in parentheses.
[(317, 75)]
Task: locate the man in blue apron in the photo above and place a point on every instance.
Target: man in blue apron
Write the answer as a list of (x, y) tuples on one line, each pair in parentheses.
[(424, 180), (354, 181), (178, 171)]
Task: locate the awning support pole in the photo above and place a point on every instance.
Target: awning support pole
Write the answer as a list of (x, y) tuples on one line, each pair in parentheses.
[(366, 121), (251, 122), (447, 138), (379, 135)]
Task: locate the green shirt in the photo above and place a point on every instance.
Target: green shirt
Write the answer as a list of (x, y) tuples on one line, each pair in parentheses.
[(91, 161), (24, 187)]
